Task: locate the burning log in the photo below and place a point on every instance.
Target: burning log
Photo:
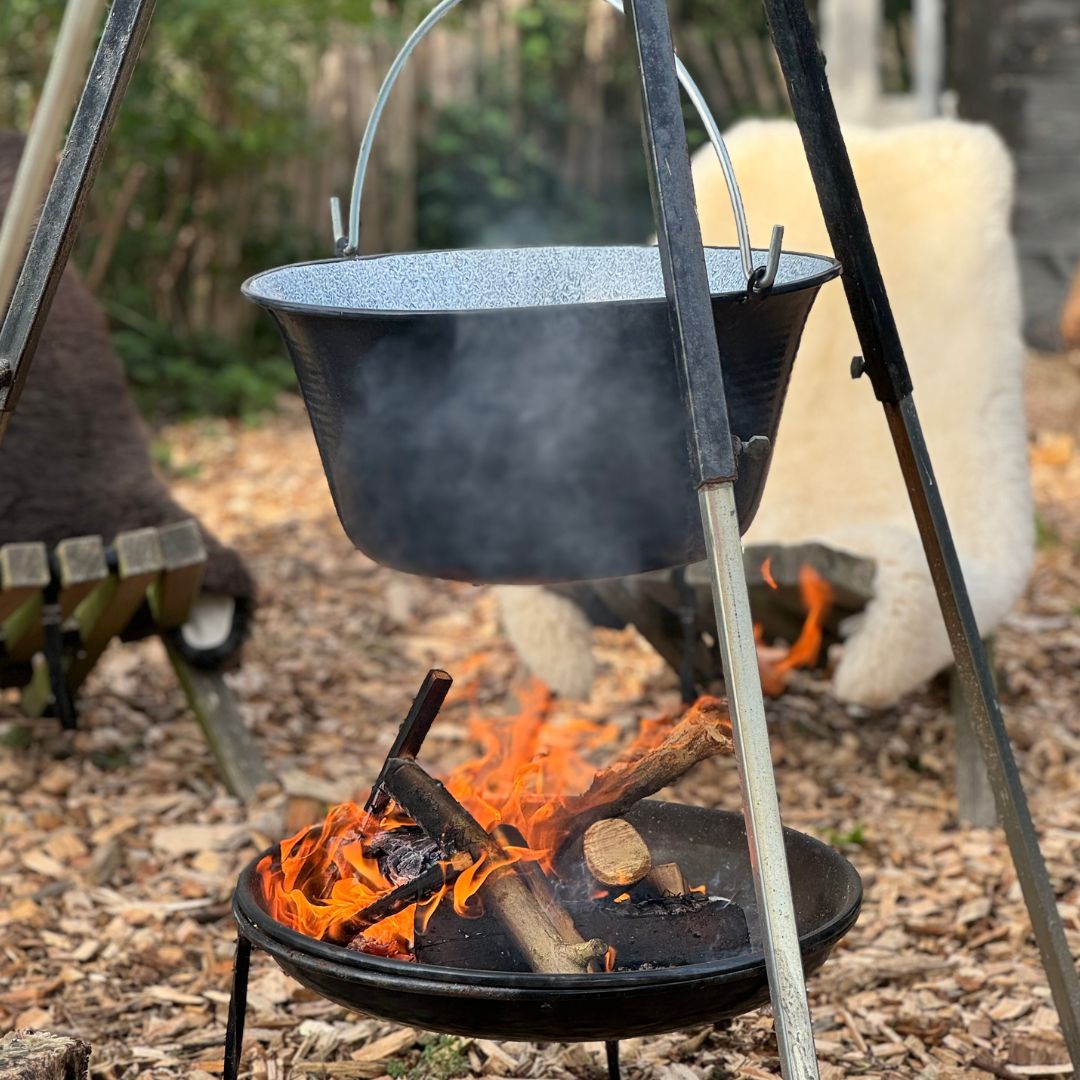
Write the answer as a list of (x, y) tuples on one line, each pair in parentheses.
[(412, 733), (644, 934), (703, 732), (504, 891), (615, 852), (534, 877), (419, 889), (667, 880)]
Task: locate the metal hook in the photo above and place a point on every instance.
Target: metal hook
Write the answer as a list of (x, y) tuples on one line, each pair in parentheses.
[(764, 277)]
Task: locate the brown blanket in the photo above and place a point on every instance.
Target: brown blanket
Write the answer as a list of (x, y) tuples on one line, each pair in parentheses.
[(76, 458)]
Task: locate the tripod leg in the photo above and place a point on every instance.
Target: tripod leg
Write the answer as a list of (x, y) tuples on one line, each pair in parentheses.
[(114, 61), (885, 364), (761, 810), (700, 369)]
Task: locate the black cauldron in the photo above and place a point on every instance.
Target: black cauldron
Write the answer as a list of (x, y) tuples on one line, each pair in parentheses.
[(515, 415)]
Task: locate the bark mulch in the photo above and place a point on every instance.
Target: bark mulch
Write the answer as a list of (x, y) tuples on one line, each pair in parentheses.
[(121, 848)]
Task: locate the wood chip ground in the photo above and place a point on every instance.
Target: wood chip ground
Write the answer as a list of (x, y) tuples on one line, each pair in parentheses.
[(121, 847)]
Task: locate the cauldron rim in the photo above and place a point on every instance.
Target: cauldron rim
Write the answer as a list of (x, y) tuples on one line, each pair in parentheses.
[(831, 269), (295, 948)]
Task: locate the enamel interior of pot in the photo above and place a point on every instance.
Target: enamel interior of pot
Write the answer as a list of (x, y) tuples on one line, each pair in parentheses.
[(504, 278)]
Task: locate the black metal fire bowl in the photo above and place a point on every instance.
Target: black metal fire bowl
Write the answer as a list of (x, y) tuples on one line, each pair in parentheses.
[(711, 847)]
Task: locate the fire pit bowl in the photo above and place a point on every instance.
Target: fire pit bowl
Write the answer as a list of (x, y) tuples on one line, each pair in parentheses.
[(711, 847), (515, 415)]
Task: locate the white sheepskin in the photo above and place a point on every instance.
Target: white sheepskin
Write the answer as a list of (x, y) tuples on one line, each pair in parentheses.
[(938, 197), (551, 635)]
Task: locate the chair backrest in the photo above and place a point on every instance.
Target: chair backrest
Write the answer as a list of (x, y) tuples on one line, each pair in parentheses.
[(938, 197)]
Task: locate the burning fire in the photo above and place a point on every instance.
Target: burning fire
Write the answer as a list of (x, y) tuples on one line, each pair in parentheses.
[(528, 767), (776, 664)]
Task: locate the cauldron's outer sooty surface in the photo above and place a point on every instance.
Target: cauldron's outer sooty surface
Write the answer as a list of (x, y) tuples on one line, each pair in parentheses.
[(531, 444), (711, 847)]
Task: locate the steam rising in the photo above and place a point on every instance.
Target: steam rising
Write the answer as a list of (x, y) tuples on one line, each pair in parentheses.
[(523, 443)]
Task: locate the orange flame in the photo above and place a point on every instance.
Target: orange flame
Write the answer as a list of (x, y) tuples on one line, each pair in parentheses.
[(528, 766), (774, 665), (766, 573)]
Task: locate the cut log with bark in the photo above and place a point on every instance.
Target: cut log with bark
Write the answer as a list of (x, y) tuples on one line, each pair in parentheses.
[(539, 884), (703, 732), (505, 892), (666, 880), (615, 853), (39, 1055), (651, 933)]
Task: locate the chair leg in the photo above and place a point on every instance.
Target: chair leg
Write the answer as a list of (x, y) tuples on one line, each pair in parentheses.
[(974, 796), (235, 751)]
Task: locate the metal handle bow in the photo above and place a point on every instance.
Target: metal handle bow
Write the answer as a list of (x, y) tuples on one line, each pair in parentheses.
[(758, 278)]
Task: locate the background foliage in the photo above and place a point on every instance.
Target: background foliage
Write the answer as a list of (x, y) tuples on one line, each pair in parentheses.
[(193, 197)]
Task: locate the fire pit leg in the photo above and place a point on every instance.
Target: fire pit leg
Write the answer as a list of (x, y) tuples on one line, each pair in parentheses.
[(613, 1070), (234, 1030)]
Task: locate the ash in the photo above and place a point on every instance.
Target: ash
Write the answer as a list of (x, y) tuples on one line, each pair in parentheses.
[(672, 905)]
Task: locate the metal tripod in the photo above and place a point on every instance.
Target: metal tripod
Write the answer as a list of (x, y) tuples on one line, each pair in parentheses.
[(714, 465), (714, 457)]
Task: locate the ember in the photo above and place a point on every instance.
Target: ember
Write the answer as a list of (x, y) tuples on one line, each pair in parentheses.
[(373, 881)]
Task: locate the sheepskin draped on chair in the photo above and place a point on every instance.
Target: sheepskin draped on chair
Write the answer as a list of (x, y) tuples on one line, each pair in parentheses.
[(938, 196)]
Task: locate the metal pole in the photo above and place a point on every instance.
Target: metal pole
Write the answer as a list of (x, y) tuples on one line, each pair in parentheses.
[(110, 73), (885, 364), (66, 71), (712, 458), (761, 808)]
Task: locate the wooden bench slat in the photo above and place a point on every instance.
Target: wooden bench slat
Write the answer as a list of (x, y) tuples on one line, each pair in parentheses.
[(82, 564), (173, 594), (24, 570), (108, 609)]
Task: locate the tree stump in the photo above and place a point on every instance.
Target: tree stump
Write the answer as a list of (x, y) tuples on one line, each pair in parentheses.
[(39, 1055)]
